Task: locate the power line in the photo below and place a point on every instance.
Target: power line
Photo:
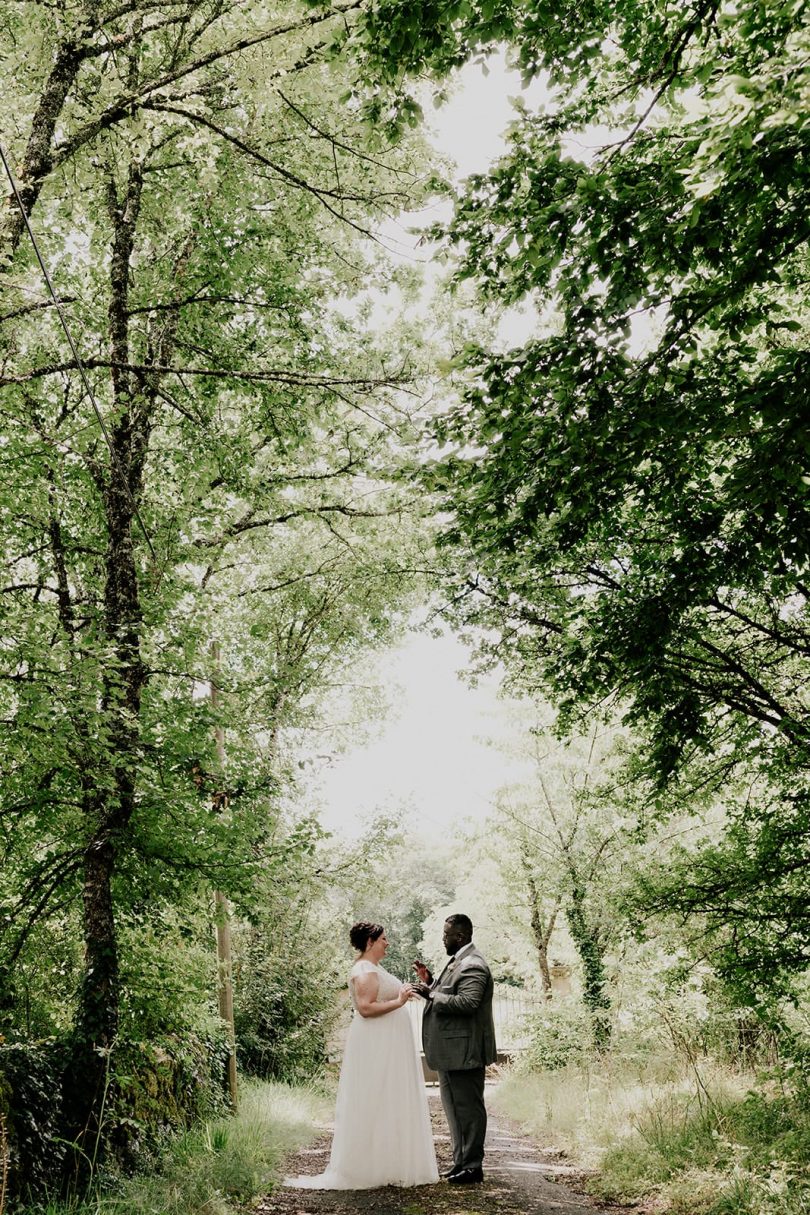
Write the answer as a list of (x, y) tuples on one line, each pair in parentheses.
[(58, 305)]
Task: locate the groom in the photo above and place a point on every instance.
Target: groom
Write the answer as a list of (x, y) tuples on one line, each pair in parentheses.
[(458, 1036)]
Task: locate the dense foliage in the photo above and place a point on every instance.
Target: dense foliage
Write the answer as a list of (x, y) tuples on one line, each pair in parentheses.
[(30, 1139), (631, 485), (217, 475), (208, 497)]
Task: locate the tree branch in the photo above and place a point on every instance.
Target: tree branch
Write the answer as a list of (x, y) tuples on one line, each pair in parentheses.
[(300, 379), (248, 523), (130, 102)]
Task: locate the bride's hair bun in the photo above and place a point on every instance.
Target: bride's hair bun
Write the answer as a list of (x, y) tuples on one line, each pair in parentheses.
[(363, 932)]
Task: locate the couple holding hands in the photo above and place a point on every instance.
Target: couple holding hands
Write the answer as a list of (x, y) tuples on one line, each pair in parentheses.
[(382, 1126)]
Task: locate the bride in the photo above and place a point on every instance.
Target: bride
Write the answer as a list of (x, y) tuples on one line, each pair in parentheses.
[(382, 1126)]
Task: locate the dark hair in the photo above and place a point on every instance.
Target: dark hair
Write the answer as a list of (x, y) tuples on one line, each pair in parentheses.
[(363, 932), (463, 922)]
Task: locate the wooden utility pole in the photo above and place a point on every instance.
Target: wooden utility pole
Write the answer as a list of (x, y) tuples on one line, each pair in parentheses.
[(223, 918)]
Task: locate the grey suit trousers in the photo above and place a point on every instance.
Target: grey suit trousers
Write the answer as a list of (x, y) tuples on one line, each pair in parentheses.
[(462, 1094)]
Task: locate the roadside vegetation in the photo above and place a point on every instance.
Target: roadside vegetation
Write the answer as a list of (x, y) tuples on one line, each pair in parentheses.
[(237, 491), (217, 1168), (686, 1130)]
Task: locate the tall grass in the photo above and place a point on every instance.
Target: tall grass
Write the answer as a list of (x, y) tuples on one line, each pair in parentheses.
[(697, 1144), (219, 1166), (586, 1109)]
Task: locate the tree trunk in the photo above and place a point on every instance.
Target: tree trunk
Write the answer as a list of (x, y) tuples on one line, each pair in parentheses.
[(588, 947), (109, 810), (110, 800), (541, 934), (98, 1016), (39, 150)]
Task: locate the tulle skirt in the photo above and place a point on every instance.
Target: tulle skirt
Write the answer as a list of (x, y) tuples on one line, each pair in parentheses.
[(382, 1125)]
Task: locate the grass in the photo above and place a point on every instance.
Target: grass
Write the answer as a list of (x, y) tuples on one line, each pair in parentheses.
[(218, 1167), (586, 1110), (680, 1144)]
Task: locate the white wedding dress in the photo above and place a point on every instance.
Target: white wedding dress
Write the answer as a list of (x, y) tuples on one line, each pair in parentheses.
[(382, 1126)]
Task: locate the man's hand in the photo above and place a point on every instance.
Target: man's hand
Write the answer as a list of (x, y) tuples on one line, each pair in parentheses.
[(425, 977), (421, 989)]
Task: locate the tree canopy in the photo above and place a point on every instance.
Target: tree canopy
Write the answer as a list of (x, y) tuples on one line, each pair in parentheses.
[(217, 469), (631, 485), (624, 497)]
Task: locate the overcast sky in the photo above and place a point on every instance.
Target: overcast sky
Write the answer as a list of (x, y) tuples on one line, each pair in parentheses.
[(469, 127), (434, 758)]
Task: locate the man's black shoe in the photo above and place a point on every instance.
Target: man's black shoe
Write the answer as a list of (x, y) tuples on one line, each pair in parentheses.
[(466, 1177), (449, 1172)]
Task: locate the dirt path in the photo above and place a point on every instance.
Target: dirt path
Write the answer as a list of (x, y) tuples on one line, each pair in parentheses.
[(520, 1179)]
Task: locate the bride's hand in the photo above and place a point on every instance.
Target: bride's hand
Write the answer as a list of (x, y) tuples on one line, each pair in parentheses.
[(406, 993)]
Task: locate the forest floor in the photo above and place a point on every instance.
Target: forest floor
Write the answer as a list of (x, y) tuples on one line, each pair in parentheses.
[(520, 1178)]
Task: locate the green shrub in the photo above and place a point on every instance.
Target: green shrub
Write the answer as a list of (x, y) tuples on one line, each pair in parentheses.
[(286, 1007), (690, 1142), (216, 1168), (559, 1034), (162, 1087), (718, 1154), (168, 974), (155, 1089), (37, 994), (30, 1089)]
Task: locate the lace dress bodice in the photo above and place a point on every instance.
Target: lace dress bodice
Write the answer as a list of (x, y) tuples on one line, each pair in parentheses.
[(389, 985)]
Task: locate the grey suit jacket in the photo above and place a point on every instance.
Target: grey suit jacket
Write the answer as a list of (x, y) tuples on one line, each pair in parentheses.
[(458, 1032)]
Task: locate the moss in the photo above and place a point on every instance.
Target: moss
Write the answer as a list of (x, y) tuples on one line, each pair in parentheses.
[(160, 1087)]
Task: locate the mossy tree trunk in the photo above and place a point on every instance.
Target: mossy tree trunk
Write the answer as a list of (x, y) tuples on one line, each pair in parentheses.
[(110, 786)]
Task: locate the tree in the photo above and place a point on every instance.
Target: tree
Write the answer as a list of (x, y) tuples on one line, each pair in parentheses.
[(543, 921), (629, 491), (221, 463), (392, 877), (559, 842)]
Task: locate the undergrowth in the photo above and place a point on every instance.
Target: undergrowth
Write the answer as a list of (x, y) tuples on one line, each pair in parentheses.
[(216, 1168), (712, 1143)]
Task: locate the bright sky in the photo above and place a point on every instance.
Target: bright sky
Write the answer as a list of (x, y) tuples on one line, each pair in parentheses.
[(468, 130), (433, 757), (469, 127)]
